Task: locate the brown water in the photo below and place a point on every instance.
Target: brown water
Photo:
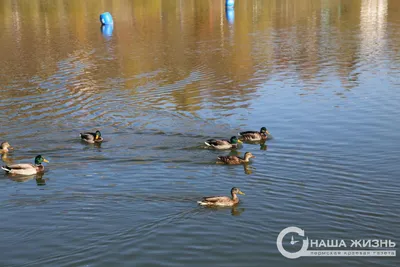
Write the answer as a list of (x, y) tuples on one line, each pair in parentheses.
[(322, 76)]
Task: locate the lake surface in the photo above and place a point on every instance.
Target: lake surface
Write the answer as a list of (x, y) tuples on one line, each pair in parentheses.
[(322, 76)]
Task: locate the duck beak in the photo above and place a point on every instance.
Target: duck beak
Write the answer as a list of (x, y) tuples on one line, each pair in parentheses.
[(253, 156), (45, 160), (240, 142), (240, 192), (267, 132), (10, 147)]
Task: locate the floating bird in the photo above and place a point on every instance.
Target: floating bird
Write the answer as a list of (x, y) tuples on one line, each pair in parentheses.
[(5, 147), (222, 201), (234, 160), (223, 144), (26, 168), (92, 137), (254, 135)]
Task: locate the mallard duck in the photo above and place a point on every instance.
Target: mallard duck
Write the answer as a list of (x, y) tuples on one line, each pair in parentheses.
[(223, 144), (254, 135), (222, 201), (26, 168), (92, 137), (5, 147), (234, 160)]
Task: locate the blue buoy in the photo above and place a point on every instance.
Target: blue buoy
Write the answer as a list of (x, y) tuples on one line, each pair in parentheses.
[(230, 3), (230, 15), (106, 18)]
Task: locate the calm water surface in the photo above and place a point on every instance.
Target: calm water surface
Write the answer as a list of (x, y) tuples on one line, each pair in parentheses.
[(322, 76)]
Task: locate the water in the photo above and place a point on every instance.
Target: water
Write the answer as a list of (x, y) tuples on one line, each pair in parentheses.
[(322, 76)]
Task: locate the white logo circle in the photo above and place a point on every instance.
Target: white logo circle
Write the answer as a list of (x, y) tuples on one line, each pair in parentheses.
[(283, 251)]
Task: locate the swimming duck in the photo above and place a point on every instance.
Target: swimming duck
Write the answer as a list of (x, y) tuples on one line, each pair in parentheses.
[(254, 135), (234, 160), (223, 144), (26, 168), (5, 147), (92, 137), (222, 201)]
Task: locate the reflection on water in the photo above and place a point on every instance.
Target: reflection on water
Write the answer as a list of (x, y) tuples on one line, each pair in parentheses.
[(235, 210), (263, 146), (25, 178), (5, 157), (248, 169), (107, 30), (230, 15), (322, 75)]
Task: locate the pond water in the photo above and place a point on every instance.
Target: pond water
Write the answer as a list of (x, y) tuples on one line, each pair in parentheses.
[(322, 76)]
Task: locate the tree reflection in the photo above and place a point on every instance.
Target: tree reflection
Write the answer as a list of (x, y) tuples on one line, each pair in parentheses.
[(191, 41)]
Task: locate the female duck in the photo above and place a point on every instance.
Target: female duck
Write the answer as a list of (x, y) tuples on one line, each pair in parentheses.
[(92, 137), (254, 135), (222, 201), (235, 160), (223, 144), (5, 147), (26, 168)]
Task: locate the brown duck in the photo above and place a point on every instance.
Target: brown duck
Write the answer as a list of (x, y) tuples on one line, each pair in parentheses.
[(5, 147), (235, 160), (222, 201)]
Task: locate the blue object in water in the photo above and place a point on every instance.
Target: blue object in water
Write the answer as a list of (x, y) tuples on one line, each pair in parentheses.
[(107, 29), (106, 18), (230, 15), (230, 3)]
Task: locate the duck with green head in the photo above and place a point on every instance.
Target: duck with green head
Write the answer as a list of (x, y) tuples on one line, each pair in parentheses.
[(254, 135), (222, 201), (92, 137), (26, 168), (223, 144)]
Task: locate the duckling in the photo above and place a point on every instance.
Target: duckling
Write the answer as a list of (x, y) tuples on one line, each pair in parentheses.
[(222, 201), (91, 137), (26, 168), (5, 147), (223, 144), (254, 135), (235, 160)]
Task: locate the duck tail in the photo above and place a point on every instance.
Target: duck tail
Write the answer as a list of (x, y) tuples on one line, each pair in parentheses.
[(202, 203), (208, 144), (6, 168), (239, 134)]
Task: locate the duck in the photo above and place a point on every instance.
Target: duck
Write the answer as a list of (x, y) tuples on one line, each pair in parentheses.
[(26, 168), (92, 137), (223, 144), (222, 201), (254, 135), (5, 147), (235, 160)]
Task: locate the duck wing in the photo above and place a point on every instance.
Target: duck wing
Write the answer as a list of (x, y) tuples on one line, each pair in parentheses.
[(248, 132), (22, 166), (229, 159), (217, 142), (88, 136), (215, 199), (250, 135)]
